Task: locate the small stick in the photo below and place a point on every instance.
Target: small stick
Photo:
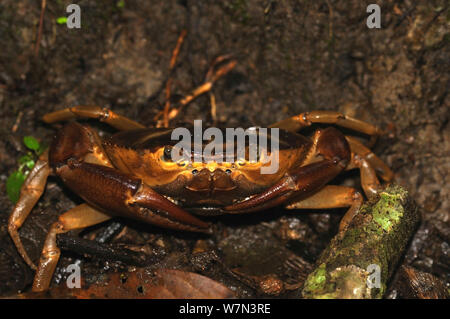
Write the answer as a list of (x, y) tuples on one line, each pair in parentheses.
[(41, 23), (210, 78), (212, 99), (173, 61), (205, 87), (16, 124), (330, 29)]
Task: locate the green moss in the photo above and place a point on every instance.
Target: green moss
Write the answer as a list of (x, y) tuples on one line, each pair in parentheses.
[(316, 279), (388, 211)]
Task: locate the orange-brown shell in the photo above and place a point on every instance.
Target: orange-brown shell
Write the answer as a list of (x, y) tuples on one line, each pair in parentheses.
[(198, 183)]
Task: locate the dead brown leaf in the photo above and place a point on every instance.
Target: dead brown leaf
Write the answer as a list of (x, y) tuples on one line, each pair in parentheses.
[(140, 284)]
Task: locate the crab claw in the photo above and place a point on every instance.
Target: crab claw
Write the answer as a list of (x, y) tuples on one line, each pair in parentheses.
[(164, 213), (124, 195)]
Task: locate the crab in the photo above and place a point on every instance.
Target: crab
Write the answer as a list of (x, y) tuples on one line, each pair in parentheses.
[(129, 174)]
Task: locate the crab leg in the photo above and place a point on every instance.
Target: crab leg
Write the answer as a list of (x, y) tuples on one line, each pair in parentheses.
[(81, 216), (332, 196), (306, 119), (359, 150), (95, 112), (30, 193)]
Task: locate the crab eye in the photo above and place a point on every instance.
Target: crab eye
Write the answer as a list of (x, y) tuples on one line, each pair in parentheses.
[(167, 154)]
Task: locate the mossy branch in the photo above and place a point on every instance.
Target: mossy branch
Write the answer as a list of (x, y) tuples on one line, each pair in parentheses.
[(375, 240)]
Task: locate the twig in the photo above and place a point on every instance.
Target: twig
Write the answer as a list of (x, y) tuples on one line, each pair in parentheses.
[(330, 29), (16, 124), (205, 87), (41, 23), (212, 99), (173, 61), (211, 77)]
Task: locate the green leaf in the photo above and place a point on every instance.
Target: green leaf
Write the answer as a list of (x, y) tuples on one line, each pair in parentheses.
[(120, 4), (31, 143), (27, 160), (61, 20), (13, 185)]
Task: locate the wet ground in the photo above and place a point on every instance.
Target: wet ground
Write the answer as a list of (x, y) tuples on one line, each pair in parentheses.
[(292, 57)]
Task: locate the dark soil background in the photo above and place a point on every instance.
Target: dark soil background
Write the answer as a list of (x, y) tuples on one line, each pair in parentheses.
[(293, 56)]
